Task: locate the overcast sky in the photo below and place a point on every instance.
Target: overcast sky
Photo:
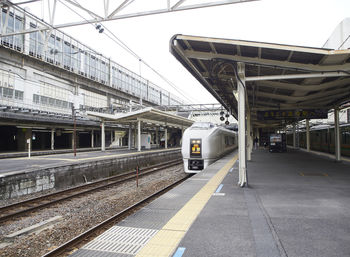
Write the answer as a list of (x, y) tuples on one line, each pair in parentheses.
[(293, 22)]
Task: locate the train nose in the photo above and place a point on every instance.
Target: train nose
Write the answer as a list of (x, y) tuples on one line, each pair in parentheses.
[(195, 164)]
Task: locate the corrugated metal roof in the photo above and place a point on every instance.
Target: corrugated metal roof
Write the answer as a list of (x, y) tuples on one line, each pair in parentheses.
[(149, 115), (278, 77)]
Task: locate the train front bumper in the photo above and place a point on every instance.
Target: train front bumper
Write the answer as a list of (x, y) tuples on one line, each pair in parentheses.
[(195, 164)]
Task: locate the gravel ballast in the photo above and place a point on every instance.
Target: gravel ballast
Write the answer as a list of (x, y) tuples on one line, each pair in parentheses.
[(80, 214)]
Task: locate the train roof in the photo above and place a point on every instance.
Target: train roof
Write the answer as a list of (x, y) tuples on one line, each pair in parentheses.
[(202, 125)]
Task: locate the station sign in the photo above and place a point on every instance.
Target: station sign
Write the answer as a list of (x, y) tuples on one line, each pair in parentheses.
[(292, 114)]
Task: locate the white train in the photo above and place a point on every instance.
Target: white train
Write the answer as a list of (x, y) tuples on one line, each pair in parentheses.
[(203, 143)]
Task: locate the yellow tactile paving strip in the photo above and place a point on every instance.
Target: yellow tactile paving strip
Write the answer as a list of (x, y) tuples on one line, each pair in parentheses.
[(164, 243)]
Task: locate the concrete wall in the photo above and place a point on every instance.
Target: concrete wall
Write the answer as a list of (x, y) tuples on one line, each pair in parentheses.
[(69, 175)]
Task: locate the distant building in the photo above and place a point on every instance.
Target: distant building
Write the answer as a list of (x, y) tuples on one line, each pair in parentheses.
[(46, 74)]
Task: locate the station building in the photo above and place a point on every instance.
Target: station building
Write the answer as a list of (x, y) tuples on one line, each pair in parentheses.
[(48, 79)]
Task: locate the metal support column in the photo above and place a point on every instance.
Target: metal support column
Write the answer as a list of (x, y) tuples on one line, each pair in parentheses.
[(307, 135), (92, 139), (134, 142), (166, 138), (294, 136), (129, 137), (241, 126), (139, 136), (249, 138), (112, 136), (103, 137), (337, 135), (157, 136), (53, 139)]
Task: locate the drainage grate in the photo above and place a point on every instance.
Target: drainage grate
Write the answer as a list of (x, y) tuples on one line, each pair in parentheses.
[(313, 174), (123, 240)]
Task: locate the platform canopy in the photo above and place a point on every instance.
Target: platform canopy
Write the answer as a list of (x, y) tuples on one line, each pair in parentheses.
[(282, 82), (147, 115)]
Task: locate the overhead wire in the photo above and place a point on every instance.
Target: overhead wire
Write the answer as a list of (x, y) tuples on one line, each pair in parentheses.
[(124, 46), (146, 64)]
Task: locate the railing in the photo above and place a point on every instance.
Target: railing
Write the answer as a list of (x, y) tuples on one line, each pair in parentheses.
[(65, 52)]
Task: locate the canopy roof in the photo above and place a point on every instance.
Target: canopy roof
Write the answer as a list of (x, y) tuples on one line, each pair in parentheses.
[(148, 115), (277, 77)]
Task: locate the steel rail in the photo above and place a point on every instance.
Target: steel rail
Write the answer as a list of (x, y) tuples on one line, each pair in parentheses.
[(36, 203), (76, 240)]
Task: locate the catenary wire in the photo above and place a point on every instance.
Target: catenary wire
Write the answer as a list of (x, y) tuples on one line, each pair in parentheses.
[(115, 39)]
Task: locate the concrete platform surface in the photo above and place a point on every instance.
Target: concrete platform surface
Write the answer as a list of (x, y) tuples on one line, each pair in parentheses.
[(22, 164), (297, 205), (23, 176)]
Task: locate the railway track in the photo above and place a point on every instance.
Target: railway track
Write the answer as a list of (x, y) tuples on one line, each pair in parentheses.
[(24, 207), (66, 248)]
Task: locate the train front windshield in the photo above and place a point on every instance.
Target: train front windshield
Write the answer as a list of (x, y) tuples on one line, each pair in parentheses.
[(275, 138), (196, 148)]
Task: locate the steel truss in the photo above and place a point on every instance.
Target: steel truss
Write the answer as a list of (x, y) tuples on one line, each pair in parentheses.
[(123, 10)]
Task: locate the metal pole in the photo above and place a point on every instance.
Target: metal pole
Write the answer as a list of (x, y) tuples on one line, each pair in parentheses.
[(139, 136), (74, 132), (129, 138), (75, 137), (134, 143), (52, 139), (103, 143), (294, 136), (337, 135), (166, 138), (112, 136), (29, 146), (307, 135), (249, 138), (92, 138), (241, 126)]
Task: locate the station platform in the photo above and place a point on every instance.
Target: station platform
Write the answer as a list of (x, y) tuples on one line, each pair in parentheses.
[(16, 154), (23, 175), (297, 204), (10, 166)]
